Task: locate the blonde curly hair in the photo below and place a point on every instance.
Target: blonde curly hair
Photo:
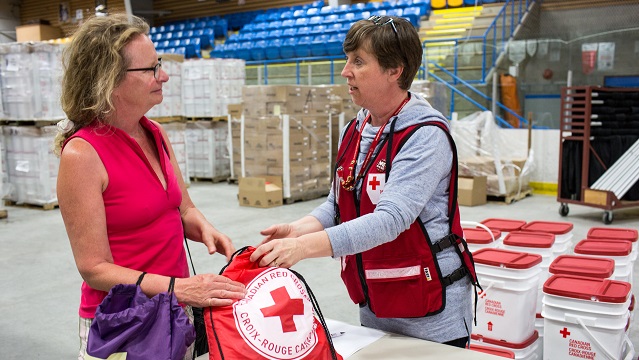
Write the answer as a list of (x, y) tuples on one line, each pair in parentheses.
[(94, 65)]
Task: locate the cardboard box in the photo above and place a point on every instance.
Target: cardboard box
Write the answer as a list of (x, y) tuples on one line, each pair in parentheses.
[(262, 191), (37, 32), (471, 191)]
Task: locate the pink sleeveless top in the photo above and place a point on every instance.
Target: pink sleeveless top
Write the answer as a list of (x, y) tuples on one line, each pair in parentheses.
[(144, 225)]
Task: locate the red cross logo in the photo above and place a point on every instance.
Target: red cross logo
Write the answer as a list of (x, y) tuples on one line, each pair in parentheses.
[(285, 308), (374, 183), (564, 332)]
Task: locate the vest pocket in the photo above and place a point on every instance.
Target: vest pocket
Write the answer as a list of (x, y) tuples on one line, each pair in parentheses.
[(396, 287)]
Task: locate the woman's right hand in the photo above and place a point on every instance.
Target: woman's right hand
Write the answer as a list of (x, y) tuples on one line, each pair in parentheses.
[(206, 290), (277, 231)]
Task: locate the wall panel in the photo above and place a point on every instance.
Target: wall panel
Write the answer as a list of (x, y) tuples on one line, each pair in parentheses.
[(35, 10)]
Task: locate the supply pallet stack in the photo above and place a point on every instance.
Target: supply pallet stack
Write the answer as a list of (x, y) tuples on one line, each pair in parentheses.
[(599, 143)]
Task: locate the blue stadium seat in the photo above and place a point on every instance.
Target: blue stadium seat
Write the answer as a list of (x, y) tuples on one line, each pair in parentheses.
[(178, 35), (299, 13), (170, 28), (274, 34), (335, 45), (312, 12), (287, 50), (164, 44), (290, 32), (318, 45), (358, 7), (404, 3), (243, 51), (275, 15), (285, 15), (315, 20), (373, 6), (345, 28), (156, 36), (303, 31), (260, 26), (303, 21), (233, 38), (250, 27), (244, 37), (261, 18), (423, 5), (260, 35), (288, 23), (395, 12), (335, 28), (190, 25), (348, 17), (303, 47), (221, 28), (174, 43), (363, 16), (273, 25), (326, 10), (331, 19), (318, 29), (272, 50), (258, 50), (344, 8), (413, 14)]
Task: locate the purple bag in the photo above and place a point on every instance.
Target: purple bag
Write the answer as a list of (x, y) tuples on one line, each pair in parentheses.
[(127, 321)]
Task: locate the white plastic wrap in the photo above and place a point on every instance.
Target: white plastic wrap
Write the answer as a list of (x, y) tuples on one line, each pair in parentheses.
[(484, 151)]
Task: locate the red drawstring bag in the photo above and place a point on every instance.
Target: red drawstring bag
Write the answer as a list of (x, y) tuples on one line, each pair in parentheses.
[(278, 319)]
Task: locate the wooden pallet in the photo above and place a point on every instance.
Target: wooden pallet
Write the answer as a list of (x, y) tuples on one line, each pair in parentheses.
[(47, 206), (215, 179), (36, 123), (212, 118), (231, 180), (169, 119), (310, 195), (511, 197)]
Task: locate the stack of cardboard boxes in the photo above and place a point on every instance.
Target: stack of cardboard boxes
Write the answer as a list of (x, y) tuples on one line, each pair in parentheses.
[(286, 132)]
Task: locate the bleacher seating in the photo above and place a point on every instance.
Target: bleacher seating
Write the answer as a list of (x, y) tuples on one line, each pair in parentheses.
[(281, 33)]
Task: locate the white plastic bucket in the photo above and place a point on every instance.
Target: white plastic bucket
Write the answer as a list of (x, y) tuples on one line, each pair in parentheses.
[(619, 250), (533, 243), (561, 230), (506, 306), (585, 318), (618, 234), (525, 350)]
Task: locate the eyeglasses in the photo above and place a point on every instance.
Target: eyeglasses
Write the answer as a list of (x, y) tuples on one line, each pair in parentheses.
[(155, 69), (383, 20)]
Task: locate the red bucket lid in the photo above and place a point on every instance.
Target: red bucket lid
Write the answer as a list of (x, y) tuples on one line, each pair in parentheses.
[(530, 239), (504, 224), (507, 344), (493, 351), (579, 287), (506, 258), (603, 247), (595, 267), (613, 233), (553, 227), (480, 236)]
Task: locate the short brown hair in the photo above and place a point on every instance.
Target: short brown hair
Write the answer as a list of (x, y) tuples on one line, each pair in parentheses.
[(392, 40)]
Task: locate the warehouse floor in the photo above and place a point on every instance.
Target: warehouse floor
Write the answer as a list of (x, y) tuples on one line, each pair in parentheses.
[(39, 287)]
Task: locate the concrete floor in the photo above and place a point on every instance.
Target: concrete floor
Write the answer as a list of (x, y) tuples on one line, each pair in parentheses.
[(39, 287)]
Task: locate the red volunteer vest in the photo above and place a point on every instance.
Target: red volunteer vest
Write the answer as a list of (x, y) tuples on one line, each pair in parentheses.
[(401, 278)]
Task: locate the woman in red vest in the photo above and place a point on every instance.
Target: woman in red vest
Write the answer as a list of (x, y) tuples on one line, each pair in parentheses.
[(392, 214), (121, 194)]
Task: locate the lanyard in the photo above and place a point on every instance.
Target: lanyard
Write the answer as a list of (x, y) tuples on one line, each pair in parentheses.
[(348, 183)]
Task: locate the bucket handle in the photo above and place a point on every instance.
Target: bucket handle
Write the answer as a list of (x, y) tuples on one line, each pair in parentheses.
[(630, 349), (596, 341), (476, 224), (481, 300)]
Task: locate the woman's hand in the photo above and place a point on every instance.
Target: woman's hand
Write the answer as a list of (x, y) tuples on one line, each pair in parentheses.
[(206, 290), (279, 253), (215, 241), (277, 231)]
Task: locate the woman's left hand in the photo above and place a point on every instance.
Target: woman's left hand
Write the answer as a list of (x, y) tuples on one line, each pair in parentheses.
[(279, 253), (215, 241)]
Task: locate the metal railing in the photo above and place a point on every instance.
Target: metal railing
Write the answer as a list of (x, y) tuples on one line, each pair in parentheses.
[(496, 37), (454, 90)]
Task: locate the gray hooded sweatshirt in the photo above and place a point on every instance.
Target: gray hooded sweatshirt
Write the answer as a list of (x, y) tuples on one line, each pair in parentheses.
[(417, 186)]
